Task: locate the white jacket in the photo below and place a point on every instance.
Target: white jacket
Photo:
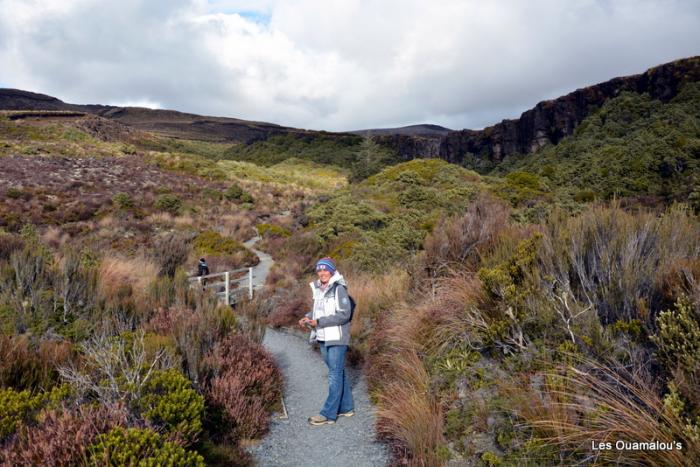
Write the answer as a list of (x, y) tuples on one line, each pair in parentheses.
[(331, 311)]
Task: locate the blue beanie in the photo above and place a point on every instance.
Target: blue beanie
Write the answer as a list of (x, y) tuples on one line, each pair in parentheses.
[(326, 264)]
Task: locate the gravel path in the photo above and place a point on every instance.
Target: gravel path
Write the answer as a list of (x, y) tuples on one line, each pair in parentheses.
[(261, 269), (292, 441)]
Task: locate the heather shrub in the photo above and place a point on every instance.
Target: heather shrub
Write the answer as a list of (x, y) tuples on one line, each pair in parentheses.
[(139, 446), (290, 306), (169, 401), (194, 331), (243, 385), (62, 436)]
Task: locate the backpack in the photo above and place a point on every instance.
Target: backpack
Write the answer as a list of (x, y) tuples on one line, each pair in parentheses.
[(352, 302)]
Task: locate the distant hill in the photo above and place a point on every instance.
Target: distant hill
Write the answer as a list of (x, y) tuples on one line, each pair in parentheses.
[(166, 122), (425, 130)]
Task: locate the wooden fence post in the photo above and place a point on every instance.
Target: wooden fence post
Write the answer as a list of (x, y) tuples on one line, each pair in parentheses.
[(227, 288), (250, 283)]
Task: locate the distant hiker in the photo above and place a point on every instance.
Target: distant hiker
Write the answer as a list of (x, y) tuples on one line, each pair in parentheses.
[(330, 319), (202, 270)]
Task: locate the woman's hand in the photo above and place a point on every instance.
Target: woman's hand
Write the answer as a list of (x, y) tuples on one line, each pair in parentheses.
[(305, 320)]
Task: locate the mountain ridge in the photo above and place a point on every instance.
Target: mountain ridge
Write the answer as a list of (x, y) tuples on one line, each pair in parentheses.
[(548, 122)]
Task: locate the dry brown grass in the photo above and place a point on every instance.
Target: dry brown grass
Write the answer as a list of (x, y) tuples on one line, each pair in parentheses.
[(604, 404), (375, 294), (409, 414), (120, 277)]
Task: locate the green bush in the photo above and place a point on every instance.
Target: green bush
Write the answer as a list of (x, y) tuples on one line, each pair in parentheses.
[(169, 203), (213, 243), (21, 406), (14, 193), (236, 193), (169, 400), (272, 230), (15, 407), (678, 337), (123, 201), (142, 447)]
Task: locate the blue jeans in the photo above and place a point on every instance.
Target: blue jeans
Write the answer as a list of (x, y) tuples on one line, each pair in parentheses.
[(339, 394)]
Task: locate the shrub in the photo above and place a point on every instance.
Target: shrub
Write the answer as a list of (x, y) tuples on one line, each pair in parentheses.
[(195, 332), (272, 230), (123, 201), (236, 193), (615, 261), (62, 436), (678, 337), (9, 243), (213, 243), (15, 407), (290, 307), (169, 203), (124, 282), (460, 242), (602, 401), (28, 364), (244, 384), (115, 369), (136, 446), (170, 252), (169, 401)]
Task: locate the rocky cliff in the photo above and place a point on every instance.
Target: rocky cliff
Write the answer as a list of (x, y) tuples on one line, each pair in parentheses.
[(550, 121)]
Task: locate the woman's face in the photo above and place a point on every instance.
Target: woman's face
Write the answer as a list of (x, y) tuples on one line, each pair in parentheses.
[(324, 276)]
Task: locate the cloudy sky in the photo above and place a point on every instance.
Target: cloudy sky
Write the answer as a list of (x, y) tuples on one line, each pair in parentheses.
[(336, 64)]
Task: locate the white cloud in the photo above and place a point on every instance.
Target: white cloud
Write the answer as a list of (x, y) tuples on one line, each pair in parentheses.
[(336, 64)]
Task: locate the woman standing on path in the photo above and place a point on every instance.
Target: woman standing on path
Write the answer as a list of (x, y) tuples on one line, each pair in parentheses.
[(330, 318)]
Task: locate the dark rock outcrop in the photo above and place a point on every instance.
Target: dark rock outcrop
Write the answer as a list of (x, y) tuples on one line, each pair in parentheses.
[(550, 121)]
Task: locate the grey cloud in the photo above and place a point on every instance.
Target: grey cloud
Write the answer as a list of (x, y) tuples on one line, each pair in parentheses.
[(342, 66)]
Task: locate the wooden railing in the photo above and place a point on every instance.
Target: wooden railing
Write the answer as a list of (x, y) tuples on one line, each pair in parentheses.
[(228, 295)]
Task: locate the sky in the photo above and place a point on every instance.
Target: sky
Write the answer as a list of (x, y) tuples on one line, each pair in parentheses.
[(336, 64)]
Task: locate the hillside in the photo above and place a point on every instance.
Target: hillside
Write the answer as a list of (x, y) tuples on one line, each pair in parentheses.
[(514, 303), (546, 124)]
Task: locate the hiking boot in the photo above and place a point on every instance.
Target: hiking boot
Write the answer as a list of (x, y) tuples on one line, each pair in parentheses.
[(347, 414), (320, 420)]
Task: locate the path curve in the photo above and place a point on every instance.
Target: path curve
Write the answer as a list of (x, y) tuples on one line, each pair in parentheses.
[(292, 441)]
